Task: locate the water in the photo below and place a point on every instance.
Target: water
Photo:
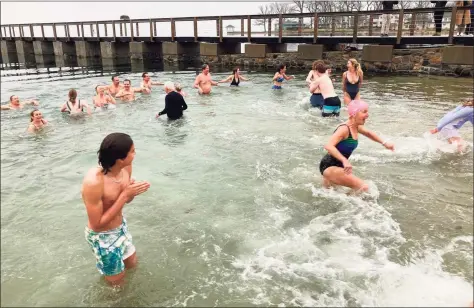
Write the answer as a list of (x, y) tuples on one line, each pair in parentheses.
[(235, 215)]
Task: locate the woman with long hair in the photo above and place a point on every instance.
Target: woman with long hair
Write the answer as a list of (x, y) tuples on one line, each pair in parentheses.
[(351, 81), (235, 78)]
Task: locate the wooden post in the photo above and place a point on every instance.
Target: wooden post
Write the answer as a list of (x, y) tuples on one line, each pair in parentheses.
[(92, 29), (217, 27), (68, 32), (136, 27), (412, 24), (113, 30), (78, 30), (280, 28), (105, 29), (155, 32), (300, 25), (121, 28), (371, 24), (173, 29), (269, 27), (249, 28), (400, 26), (195, 24), (54, 32), (315, 27), (242, 28), (4, 31), (131, 30), (13, 28), (42, 32), (32, 34), (221, 31), (333, 26), (452, 25), (151, 30), (10, 30), (356, 27), (82, 30), (97, 28)]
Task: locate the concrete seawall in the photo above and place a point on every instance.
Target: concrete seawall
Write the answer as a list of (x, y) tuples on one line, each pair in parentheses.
[(447, 60)]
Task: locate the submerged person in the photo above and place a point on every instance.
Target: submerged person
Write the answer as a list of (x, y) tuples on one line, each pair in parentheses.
[(449, 125), (15, 103), (316, 100), (235, 78), (127, 94), (352, 80), (280, 76), (75, 106), (105, 191), (37, 122), (147, 83), (204, 81), (102, 100), (332, 103), (335, 166), (174, 103)]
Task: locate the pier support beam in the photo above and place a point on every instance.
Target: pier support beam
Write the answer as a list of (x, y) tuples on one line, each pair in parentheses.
[(25, 51), (9, 54), (114, 54), (217, 49), (44, 54), (87, 49), (310, 52), (65, 49), (261, 50), (146, 51), (182, 52)]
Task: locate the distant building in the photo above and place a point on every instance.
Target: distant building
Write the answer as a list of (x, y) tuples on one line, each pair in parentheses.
[(230, 29)]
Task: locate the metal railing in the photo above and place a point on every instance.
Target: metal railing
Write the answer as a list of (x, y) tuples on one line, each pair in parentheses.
[(348, 24)]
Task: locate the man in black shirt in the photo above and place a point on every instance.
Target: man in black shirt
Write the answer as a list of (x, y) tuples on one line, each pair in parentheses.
[(174, 103)]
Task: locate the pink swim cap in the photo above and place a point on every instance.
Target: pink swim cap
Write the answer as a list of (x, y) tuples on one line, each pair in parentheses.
[(356, 106)]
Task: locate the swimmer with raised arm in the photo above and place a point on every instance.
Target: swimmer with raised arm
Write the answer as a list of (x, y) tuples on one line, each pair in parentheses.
[(204, 81), (335, 166), (147, 83), (332, 103), (16, 105), (449, 125), (127, 94), (102, 100), (235, 78), (105, 191), (280, 76), (37, 122), (352, 80), (75, 106)]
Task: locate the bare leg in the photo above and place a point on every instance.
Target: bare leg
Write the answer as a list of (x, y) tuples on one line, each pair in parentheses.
[(116, 280), (326, 182), (336, 175), (347, 98), (131, 261)]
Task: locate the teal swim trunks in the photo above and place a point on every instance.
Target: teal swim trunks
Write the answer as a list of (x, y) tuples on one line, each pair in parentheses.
[(111, 248)]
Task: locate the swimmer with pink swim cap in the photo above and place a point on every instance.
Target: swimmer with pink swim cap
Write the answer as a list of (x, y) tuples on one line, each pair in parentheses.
[(335, 166)]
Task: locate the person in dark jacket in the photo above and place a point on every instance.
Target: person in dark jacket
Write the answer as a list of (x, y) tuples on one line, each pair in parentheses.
[(386, 5), (174, 103), (438, 16)]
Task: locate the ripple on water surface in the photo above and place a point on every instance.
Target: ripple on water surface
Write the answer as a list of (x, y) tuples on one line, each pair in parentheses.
[(235, 214)]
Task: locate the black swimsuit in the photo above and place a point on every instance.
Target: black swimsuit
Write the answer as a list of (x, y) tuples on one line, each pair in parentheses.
[(235, 83), (79, 107)]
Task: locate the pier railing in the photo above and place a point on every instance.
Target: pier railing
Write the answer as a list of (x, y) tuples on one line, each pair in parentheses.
[(409, 22)]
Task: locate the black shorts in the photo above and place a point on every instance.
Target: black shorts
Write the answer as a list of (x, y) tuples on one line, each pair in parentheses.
[(329, 161), (331, 106)]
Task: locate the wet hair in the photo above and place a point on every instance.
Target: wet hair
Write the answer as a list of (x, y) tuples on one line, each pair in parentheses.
[(128, 81), (96, 88), (32, 113), (321, 67), (114, 146), (11, 97), (356, 66), (315, 63), (72, 95), (235, 70), (280, 67), (114, 77), (178, 86), (169, 85), (143, 75), (203, 67)]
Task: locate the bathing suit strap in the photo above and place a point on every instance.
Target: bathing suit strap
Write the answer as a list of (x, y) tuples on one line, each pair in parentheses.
[(350, 135)]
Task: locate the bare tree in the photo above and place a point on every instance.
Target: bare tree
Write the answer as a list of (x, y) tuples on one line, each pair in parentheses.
[(264, 10), (299, 7)]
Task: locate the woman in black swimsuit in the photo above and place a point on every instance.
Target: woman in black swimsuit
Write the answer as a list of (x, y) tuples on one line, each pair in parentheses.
[(234, 78)]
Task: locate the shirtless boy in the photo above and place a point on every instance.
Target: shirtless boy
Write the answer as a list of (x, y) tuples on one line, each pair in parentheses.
[(105, 190), (15, 103), (332, 103), (147, 83), (127, 94), (204, 81)]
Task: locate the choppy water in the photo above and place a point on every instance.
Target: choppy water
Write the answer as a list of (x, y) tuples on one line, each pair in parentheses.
[(235, 215)]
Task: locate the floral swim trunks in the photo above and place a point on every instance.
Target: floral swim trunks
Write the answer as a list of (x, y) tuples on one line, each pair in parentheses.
[(110, 248)]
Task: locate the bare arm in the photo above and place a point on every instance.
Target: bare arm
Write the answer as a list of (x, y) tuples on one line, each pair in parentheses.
[(288, 77), (197, 81), (243, 78), (5, 107), (374, 137), (63, 108), (92, 192), (314, 85), (157, 83), (228, 79), (275, 77), (120, 94), (89, 111), (341, 133), (110, 99), (212, 81), (31, 128), (309, 77), (344, 75), (137, 89), (361, 77)]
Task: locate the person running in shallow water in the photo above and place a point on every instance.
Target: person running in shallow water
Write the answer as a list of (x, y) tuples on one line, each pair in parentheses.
[(16, 105), (280, 76), (235, 78), (204, 82), (449, 125), (75, 106), (352, 80), (335, 166), (37, 122), (127, 94), (147, 83), (102, 100), (332, 103), (174, 103), (105, 191)]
